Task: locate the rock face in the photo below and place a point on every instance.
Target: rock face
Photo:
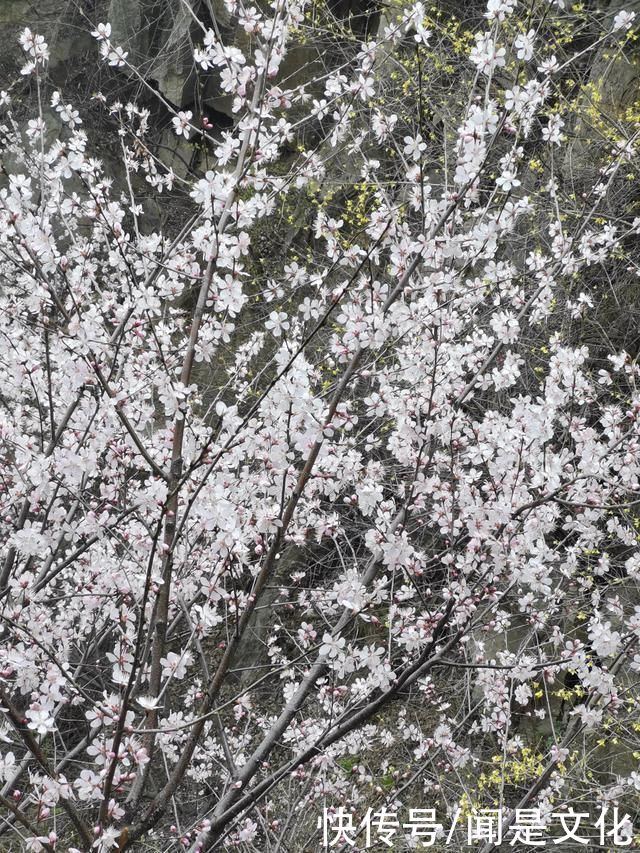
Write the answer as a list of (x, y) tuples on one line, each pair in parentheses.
[(60, 27), (611, 90), (160, 35), (157, 36), (12, 11)]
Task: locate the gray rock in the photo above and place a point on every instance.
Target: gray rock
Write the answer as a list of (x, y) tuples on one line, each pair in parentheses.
[(157, 35)]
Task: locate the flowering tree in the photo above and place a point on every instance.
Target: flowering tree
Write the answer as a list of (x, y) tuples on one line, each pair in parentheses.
[(349, 520)]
